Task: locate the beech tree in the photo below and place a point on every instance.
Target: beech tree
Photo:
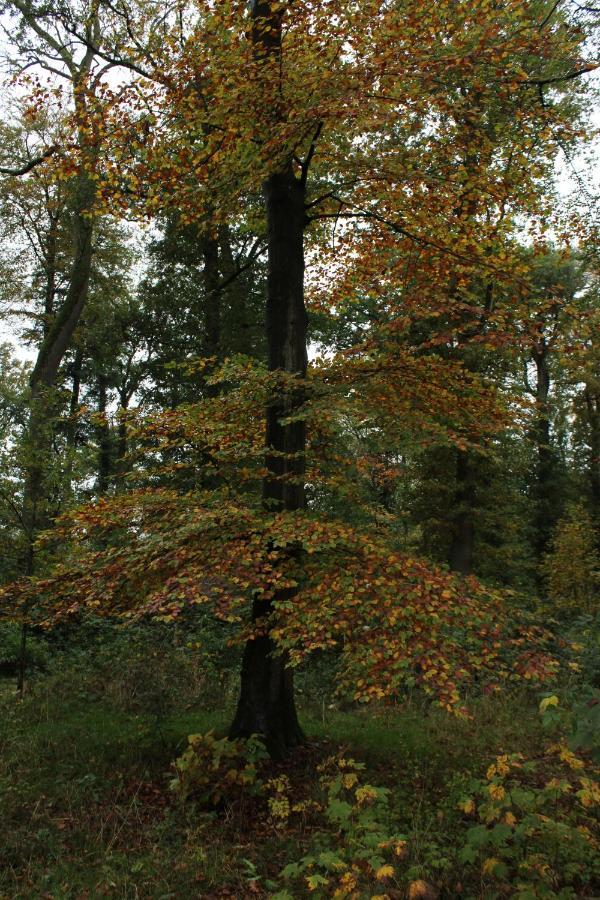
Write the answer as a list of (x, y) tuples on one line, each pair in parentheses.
[(351, 120)]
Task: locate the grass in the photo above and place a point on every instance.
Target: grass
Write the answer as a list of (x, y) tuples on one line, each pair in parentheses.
[(86, 811)]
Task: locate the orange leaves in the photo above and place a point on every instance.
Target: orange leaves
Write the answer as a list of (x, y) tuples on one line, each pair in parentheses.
[(396, 622)]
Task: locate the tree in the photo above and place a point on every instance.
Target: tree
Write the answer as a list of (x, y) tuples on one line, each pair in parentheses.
[(572, 567), (301, 99), (40, 42)]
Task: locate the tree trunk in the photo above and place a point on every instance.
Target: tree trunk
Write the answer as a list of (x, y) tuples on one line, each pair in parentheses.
[(463, 529), (266, 705), (546, 512), (51, 353), (125, 395), (592, 403), (212, 296), (71, 430), (58, 337), (104, 439)]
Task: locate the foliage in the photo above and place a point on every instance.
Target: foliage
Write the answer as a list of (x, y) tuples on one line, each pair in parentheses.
[(397, 621), (96, 808), (536, 835), (418, 143), (353, 845), (217, 770), (572, 568), (37, 653), (577, 716)]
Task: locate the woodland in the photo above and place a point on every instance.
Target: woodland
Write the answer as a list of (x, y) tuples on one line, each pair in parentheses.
[(299, 449)]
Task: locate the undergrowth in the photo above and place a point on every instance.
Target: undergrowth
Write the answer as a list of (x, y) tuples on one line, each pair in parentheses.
[(395, 802)]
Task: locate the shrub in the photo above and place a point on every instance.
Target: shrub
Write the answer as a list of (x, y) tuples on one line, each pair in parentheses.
[(533, 826), (216, 770), (353, 845)]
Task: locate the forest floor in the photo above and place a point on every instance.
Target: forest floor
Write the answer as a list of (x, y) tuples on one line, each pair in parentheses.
[(87, 811)]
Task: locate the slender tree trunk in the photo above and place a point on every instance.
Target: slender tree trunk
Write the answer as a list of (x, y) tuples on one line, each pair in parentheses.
[(71, 432), (121, 446), (592, 402), (211, 343), (463, 527), (43, 381), (593, 414), (212, 310), (546, 513), (50, 266), (104, 439)]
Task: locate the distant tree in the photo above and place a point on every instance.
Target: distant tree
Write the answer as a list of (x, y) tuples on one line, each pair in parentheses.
[(572, 566)]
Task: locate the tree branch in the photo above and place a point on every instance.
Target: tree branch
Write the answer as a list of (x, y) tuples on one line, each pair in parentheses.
[(559, 78), (31, 164)]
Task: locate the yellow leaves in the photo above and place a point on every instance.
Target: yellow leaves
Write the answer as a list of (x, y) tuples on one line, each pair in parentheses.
[(489, 865), (510, 819), (347, 884), (589, 795), (558, 785), (570, 759), (384, 872), (467, 806), (547, 702), (422, 890), (496, 792), (365, 795), (401, 849)]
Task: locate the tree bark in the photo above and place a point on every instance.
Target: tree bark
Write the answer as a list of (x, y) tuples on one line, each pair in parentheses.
[(212, 297), (266, 705), (592, 404), (75, 372)]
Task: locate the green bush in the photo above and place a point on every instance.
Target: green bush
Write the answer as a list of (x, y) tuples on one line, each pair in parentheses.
[(533, 823), (218, 771)]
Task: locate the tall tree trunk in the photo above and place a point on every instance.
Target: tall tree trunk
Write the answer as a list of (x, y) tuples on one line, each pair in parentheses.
[(71, 430), (266, 704), (592, 403), (105, 456), (50, 267), (51, 353), (546, 512), (463, 527), (121, 446), (211, 343), (212, 310)]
